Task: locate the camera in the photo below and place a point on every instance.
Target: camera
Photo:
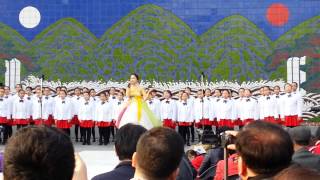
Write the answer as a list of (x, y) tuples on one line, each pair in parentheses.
[(227, 139)]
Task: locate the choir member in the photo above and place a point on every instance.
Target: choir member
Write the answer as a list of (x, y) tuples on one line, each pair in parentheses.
[(85, 115), (95, 100), (4, 112), (267, 106), (277, 96), (291, 107), (113, 99), (63, 111), (185, 117), (239, 106), (154, 103), (168, 110), (202, 111), (190, 101), (9, 97), (249, 111), (76, 101), (20, 112), (226, 111), (103, 117), (36, 108)]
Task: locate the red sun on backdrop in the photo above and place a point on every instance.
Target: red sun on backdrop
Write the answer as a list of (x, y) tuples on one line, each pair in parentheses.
[(277, 14)]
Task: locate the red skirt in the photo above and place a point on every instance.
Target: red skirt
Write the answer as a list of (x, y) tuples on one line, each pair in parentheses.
[(184, 124), (75, 120), (21, 121), (226, 122), (169, 123), (291, 120), (3, 120), (214, 122), (271, 119), (247, 121), (205, 122), (31, 120), (104, 124), (49, 121), (63, 124), (238, 122), (86, 123), (38, 121)]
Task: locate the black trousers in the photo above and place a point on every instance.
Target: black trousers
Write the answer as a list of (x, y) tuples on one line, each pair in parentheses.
[(93, 130), (112, 131), (104, 135), (76, 131), (87, 135), (192, 132), (184, 131)]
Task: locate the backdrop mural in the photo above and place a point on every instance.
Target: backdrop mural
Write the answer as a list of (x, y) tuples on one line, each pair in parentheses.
[(161, 40)]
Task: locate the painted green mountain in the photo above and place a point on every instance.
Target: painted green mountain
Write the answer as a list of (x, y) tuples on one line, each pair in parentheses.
[(12, 44), (234, 49), (151, 41), (309, 46), (64, 51), (287, 44)]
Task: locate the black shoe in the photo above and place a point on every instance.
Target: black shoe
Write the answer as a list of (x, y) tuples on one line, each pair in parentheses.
[(77, 140), (100, 143), (94, 140), (84, 143), (188, 144), (106, 143), (88, 143), (81, 140)]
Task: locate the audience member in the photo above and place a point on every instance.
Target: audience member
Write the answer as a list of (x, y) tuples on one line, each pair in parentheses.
[(315, 149), (264, 149), (41, 152), (296, 172), (301, 137), (125, 145), (158, 155)]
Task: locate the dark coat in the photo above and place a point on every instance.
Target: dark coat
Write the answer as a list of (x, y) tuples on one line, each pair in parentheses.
[(123, 171), (306, 159)]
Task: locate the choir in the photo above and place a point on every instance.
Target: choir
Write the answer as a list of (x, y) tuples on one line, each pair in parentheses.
[(85, 110)]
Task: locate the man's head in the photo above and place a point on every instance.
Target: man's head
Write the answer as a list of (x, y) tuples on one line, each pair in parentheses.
[(21, 93), (276, 90), (301, 136), (266, 91), (126, 140), (288, 88), (39, 153), (158, 155), (200, 93), (263, 148), (247, 93), (18, 87), (1, 91)]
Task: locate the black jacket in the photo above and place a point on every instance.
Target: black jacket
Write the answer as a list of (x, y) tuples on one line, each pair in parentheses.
[(306, 159), (123, 171), (186, 170), (210, 160)]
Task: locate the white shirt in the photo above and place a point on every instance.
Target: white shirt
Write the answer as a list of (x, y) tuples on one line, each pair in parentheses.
[(47, 106), (117, 107), (104, 111), (4, 107), (214, 105), (20, 108), (184, 112), (278, 103), (76, 101), (63, 109), (86, 110), (267, 107), (168, 109), (29, 102), (154, 105), (291, 104), (239, 106), (36, 107), (226, 109), (202, 109), (249, 109)]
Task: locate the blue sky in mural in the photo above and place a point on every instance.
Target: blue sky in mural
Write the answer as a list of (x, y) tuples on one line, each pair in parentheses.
[(200, 15)]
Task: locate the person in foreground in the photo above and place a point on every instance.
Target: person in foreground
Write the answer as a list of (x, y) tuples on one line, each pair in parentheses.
[(158, 155), (35, 153), (301, 136), (125, 145), (264, 150)]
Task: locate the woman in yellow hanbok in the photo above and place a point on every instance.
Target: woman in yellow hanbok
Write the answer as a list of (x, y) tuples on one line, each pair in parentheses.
[(136, 110)]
